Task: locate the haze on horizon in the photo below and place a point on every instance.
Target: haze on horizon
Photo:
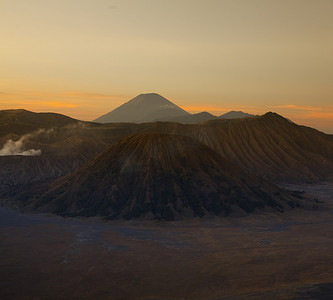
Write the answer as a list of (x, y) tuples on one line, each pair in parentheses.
[(83, 58)]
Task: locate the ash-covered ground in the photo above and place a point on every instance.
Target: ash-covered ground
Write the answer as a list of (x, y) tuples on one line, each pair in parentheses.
[(263, 256)]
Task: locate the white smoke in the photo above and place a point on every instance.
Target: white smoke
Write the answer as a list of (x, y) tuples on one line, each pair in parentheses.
[(15, 147)]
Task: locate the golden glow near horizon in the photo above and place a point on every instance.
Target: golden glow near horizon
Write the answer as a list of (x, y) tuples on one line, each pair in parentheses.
[(84, 58)]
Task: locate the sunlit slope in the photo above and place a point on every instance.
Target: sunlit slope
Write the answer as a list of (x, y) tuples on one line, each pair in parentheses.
[(144, 108), (269, 146), (156, 176)]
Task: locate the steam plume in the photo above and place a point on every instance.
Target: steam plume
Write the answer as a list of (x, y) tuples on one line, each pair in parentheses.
[(15, 147)]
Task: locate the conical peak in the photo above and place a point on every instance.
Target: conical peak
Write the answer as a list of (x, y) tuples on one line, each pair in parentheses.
[(144, 108), (150, 97)]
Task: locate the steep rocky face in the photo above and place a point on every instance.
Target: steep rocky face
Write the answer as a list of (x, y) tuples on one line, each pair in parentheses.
[(155, 176), (269, 146), (144, 108)]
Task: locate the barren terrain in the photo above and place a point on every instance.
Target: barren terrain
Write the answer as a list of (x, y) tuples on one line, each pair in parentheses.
[(262, 256)]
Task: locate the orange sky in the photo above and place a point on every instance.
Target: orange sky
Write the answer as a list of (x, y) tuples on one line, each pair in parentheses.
[(84, 58)]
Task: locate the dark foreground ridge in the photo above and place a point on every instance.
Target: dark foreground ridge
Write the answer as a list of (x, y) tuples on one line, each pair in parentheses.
[(156, 176)]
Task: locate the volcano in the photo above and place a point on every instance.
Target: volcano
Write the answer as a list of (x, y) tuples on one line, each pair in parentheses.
[(155, 176), (144, 108)]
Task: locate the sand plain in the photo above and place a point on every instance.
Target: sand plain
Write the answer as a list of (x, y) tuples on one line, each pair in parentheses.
[(262, 256)]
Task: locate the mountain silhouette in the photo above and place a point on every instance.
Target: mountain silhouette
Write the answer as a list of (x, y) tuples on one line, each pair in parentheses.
[(235, 115), (144, 108), (156, 176), (192, 118), (206, 116), (153, 107), (21, 121)]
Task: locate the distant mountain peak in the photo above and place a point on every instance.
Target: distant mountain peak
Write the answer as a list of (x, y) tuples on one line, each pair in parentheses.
[(203, 113), (234, 114), (144, 108), (151, 107), (150, 95)]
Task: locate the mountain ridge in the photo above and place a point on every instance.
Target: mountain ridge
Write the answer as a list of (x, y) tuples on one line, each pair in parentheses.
[(21, 121), (153, 107), (269, 146), (233, 114), (156, 176)]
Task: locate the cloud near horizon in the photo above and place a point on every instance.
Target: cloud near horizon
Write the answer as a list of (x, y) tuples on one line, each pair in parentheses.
[(55, 104), (325, 112), (201, 108), (319, 117), (76, 104), (300, 107)]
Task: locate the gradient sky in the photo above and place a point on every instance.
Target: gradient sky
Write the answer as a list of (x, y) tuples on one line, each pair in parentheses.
[(84, 58)]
